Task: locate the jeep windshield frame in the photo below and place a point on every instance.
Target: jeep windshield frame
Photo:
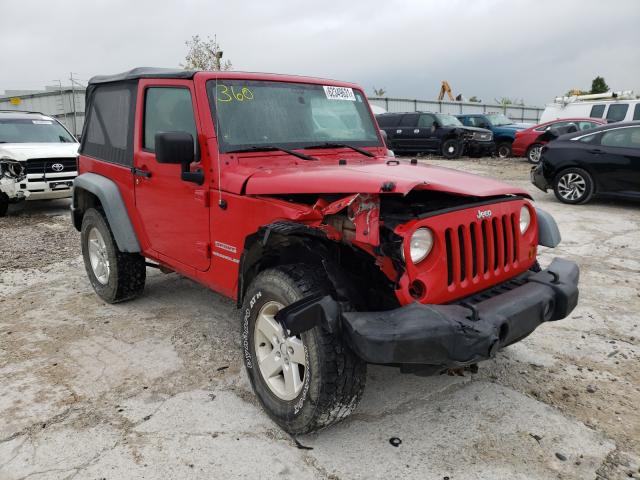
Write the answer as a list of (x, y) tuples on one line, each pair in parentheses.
[(251, 114)]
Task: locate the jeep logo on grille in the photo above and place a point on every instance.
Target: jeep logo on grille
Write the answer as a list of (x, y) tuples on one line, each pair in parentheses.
[(57, 167), (484, 214)]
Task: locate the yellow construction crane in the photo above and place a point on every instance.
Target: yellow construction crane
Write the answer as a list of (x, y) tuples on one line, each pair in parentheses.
[(445, 88)]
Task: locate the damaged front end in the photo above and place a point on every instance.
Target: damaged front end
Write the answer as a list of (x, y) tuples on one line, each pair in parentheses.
[(477, 291), (12, 173)]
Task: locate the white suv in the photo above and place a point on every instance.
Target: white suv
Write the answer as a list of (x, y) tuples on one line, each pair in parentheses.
[(37, 158)]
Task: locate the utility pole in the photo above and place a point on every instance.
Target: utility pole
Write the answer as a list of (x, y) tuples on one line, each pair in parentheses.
[(64, 109), (73, 103)]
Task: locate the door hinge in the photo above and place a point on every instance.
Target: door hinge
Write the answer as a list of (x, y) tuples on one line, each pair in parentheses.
[(202, 196)]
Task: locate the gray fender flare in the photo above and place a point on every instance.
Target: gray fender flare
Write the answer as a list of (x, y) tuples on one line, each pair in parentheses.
[(114, 208), (548, 233)]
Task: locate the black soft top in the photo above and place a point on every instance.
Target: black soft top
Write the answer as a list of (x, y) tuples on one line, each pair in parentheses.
[(143, 72)]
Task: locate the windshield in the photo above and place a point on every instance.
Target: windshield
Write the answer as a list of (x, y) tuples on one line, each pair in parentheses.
[(26, 130), (252, 113), (449, 121), (498, 119)]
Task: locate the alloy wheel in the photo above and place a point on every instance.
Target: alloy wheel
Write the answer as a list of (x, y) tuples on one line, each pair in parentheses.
[(98, 256), (535, 153), (572, 186), (281, 360)]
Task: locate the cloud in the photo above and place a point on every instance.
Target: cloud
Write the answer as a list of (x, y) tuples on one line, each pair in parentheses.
[(527, 49)]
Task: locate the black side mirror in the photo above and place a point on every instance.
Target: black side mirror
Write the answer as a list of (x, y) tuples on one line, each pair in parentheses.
[(177, 148), (483, 125)]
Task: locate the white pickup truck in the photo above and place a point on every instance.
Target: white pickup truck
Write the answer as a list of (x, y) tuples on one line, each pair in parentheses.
[(37, 158)]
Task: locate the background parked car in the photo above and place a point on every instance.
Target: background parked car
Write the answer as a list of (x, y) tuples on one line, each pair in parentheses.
[(37, 158), (601, 161), (528, 143), (434, 132), (504, 129)]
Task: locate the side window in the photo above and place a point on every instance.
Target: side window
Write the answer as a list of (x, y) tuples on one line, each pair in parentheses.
[(409, 120), (591, 139), (617, 112), (388, 120), (426, 121), (597, 111), (108, 132), (636, 112), (622, 138), (587, 125), (167, 109)]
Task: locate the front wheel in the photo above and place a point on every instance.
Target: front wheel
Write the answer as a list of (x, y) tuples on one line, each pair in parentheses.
[(115, 276), (304, 382), (573, 185), (534, 152), (503, 150), (451, 148)]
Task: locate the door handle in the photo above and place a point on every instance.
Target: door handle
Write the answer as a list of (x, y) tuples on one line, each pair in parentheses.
[(140, 173), (595, 150)]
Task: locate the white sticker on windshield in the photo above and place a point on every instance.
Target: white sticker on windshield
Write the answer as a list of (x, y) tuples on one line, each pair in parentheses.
[(339, 93), (42, 122)]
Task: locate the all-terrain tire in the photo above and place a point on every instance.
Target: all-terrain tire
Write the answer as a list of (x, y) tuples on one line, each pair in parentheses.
[(127, 271), (451, 148), (503, 150), (4, 204), (334, 377), (583, 187)]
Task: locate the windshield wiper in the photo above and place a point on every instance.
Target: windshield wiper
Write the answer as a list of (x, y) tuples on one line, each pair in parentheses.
[(342, 145), (266, 148)]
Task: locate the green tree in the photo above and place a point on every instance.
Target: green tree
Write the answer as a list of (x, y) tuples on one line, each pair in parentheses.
[(598, 85), (475, 99), (379, 92), (204, 55)]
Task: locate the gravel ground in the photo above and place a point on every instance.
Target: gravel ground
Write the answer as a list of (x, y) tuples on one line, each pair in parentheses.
[(154, 388)]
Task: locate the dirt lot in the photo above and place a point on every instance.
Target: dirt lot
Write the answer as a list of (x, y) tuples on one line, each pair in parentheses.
[(154, 388)]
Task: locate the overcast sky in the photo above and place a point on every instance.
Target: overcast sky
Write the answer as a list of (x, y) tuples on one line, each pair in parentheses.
[(529, 49)]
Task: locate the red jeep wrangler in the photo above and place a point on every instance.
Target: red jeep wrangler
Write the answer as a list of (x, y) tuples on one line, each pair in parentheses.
[(278, 191)]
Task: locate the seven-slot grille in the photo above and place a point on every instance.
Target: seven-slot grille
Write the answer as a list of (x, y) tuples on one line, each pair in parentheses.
[(481, 249)]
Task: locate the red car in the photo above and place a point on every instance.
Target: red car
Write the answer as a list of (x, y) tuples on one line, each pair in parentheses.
[(527, 144), (277, 192)]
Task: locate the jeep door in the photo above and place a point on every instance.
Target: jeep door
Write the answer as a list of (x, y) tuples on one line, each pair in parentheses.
[(174, 212)]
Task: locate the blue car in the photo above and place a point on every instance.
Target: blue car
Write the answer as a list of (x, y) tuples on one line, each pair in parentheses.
[(504, 130)]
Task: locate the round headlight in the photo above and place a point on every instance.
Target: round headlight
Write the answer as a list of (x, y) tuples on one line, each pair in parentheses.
[(525, 219), (421, 244)]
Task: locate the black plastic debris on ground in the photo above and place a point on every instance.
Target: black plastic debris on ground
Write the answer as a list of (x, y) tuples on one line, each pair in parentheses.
[(395, 441)]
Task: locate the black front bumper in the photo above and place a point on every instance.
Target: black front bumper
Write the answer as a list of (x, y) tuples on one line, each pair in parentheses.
[(446, 336), (464, 333)]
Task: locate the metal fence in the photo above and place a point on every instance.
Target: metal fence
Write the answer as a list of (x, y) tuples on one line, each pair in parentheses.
[(519, 113)]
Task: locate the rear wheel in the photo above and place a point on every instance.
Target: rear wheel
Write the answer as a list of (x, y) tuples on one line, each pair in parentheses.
[(115, 276), (451, 148), (304, 382), (4, 204), (534, 152), (573, 185), (503, 149)]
